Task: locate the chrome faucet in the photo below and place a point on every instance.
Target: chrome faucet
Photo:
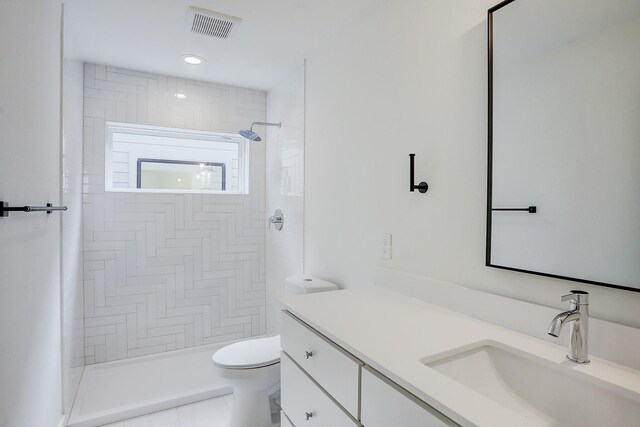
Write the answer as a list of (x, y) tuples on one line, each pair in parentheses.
[(578, 314)]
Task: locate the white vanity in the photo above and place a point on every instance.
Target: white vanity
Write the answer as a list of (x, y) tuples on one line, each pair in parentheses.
[(375, 358), (324, 385)]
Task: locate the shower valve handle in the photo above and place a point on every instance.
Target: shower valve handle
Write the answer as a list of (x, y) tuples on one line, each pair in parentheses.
[(277, 219)]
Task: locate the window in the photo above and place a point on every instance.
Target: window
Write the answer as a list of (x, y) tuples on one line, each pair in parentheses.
[(158, 174), (158, 159)]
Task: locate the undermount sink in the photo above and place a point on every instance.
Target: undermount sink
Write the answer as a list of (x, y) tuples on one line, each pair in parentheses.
[(544, 392)]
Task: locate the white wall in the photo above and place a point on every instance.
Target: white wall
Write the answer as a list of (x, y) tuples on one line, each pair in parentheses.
[(285, 189), (30, 354), (374, 96), (72, 259), (169, 271)]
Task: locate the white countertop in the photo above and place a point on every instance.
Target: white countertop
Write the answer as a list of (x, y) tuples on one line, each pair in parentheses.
[(392, 333)]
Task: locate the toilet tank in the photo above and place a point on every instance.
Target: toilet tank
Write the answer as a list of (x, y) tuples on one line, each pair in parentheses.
[(307, 285)]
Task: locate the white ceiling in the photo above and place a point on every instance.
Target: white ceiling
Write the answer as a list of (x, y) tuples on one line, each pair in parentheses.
[(150, 35)]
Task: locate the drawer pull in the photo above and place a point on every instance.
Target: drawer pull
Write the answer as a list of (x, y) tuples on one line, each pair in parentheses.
[(308, 415), (308, 354)]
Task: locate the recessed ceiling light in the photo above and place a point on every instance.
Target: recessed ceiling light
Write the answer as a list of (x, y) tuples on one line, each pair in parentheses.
[(193, 59), (180, 95)]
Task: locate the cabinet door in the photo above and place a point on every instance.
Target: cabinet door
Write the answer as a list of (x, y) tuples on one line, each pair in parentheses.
[(305, 403), (330, 366), (385, 404)]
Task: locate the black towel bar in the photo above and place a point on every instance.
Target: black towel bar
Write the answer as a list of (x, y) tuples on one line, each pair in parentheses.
[(530, 209), (49, 208)]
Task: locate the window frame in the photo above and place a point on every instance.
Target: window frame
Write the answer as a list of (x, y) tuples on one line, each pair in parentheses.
[(112, 127)]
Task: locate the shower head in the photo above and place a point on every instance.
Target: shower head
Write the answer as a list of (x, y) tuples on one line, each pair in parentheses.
[(252, 136)]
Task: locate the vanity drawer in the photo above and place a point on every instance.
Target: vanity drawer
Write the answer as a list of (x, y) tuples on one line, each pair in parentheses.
[(305, 404), (386, 404), (335, 370)]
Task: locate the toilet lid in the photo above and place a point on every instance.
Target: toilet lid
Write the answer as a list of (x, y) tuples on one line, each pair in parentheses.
[(253, 353)]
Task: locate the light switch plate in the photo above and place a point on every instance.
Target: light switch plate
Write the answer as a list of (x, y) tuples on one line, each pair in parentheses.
[(385, 246)]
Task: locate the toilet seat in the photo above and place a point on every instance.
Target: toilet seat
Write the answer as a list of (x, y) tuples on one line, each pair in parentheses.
[(249, 354)]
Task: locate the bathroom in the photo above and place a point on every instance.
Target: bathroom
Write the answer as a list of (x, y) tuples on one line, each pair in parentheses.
[(112, 310)]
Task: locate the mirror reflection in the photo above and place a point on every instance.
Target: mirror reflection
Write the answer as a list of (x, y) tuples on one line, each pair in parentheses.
[(566, 140)]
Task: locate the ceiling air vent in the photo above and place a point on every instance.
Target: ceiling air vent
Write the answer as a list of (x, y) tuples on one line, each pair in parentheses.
[(210, 23)]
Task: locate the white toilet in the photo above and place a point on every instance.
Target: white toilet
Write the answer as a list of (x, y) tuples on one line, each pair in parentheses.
[(252, 367)]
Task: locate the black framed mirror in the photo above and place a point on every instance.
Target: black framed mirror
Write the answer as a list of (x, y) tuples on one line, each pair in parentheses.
[(563, 195)]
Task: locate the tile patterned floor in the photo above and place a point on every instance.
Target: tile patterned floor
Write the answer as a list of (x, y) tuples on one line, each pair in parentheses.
[(208, 413)]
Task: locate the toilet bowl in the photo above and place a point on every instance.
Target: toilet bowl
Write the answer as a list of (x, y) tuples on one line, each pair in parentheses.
[(252, 367)]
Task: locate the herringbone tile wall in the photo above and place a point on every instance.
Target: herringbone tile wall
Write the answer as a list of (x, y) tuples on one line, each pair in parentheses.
[(169, 271)]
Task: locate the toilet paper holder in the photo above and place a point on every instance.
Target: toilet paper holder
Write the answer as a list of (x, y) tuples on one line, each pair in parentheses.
[(423, 186)]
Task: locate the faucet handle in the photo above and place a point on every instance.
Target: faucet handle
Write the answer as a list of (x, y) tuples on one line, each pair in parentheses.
[(577, 297)]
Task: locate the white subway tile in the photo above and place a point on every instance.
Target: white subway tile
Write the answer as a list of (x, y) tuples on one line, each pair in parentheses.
[(126, 79), (166, 271)]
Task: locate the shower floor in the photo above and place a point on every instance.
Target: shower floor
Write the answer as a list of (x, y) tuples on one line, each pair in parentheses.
[(115, 391)]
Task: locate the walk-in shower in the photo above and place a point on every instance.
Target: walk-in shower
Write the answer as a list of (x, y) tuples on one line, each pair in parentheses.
[(252, 136)]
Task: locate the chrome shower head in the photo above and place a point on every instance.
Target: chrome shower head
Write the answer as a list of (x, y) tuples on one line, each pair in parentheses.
[(252, 136)]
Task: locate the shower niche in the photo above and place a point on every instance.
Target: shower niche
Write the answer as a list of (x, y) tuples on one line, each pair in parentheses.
[(564, 141)]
